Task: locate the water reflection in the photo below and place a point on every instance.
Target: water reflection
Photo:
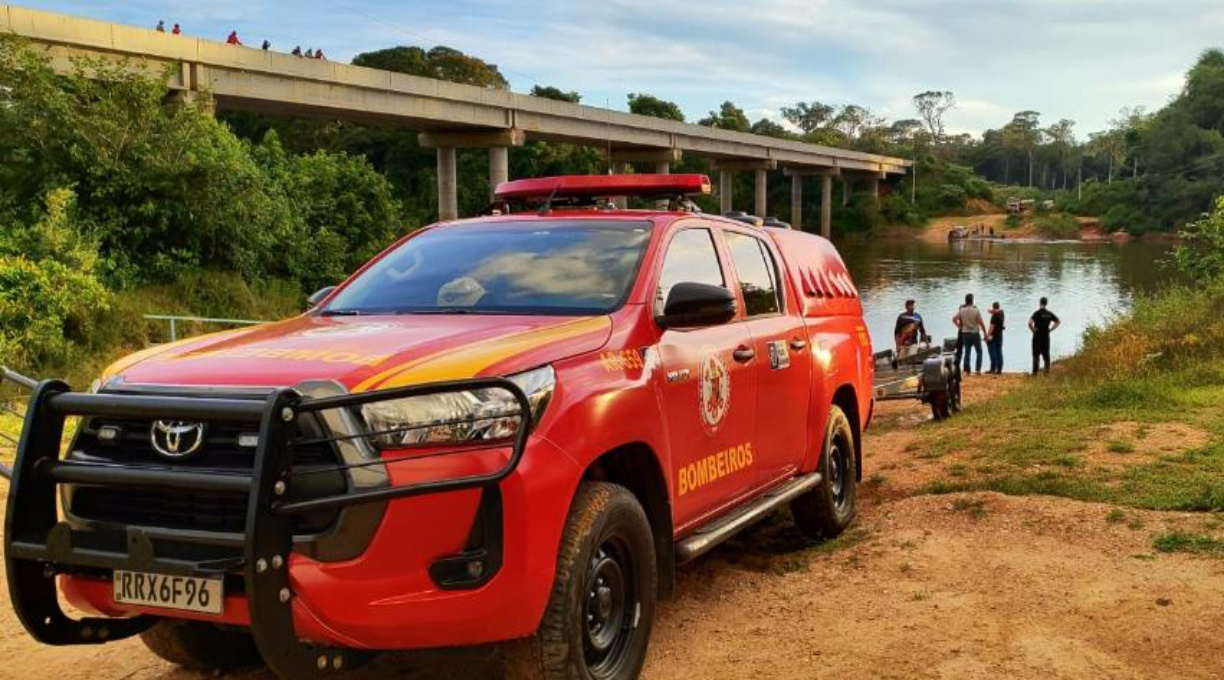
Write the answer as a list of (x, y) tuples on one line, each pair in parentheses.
[(1086, 283)]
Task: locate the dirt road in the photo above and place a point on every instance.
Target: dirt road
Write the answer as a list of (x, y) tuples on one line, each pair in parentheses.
[(952, 586)]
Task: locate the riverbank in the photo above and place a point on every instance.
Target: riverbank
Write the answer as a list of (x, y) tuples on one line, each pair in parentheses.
[(1060, 226)]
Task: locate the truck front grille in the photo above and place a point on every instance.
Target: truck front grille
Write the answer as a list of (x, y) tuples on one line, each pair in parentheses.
[(195, 510)]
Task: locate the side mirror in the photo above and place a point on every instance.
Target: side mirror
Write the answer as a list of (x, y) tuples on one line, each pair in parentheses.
[(697, 304), (314, 300)]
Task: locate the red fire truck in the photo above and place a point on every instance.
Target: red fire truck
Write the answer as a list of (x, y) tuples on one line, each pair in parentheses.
[(512, 428)]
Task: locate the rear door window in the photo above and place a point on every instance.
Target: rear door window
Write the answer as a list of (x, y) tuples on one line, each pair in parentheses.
[(758, 275)]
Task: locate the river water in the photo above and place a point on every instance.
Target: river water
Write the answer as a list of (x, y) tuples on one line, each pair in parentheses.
[(1086, 283)]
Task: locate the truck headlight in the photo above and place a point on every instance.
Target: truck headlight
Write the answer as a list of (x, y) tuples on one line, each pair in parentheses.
[(463, 416)]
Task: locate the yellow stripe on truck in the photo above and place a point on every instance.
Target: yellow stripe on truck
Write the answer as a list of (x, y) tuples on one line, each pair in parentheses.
[(468, 361)]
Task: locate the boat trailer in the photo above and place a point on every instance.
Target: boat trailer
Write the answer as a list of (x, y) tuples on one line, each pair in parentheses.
[(928, 373)]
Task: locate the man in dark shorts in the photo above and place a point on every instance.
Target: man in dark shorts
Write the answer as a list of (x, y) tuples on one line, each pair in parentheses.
[(909, 330), (1042, 323), (994, 339)]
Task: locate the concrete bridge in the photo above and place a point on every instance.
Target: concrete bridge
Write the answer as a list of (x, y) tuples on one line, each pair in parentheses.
[(447, 115)]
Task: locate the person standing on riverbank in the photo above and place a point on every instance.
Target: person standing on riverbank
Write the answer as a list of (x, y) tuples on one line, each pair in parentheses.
[(1042, 323), (994, 339), (909, 330), (968, 321)]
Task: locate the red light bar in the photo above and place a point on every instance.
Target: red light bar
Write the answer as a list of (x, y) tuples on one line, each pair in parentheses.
[(586, 186)]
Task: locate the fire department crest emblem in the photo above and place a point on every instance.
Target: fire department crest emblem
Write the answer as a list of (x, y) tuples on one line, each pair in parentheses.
[(715, 392)]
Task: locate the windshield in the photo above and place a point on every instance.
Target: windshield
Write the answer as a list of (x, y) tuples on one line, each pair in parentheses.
[(537, 267)]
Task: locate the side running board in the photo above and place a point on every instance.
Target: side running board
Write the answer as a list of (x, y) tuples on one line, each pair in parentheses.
[(721, 528)]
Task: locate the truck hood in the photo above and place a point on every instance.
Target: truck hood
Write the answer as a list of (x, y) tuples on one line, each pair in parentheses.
[(365, 352)]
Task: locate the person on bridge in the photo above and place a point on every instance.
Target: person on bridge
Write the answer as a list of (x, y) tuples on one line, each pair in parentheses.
[(1042, 323), (968, 321), (176, 30), (297, 51), (310, 53), (233, 39), (161, 26), (319, 53), (266, 45), (909, 330), (994, 339)]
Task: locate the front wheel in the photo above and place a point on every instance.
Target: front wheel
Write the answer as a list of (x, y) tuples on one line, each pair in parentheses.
[(599, 616), (826, 511)]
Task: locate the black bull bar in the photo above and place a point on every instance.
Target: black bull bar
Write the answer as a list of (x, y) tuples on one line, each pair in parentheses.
[(38, 546)]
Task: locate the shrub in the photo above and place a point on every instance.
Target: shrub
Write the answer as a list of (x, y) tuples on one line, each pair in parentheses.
[(952, 196), (1201, 251), (49, 294)]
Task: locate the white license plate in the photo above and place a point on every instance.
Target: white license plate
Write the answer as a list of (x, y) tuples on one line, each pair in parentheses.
[(186, 593)]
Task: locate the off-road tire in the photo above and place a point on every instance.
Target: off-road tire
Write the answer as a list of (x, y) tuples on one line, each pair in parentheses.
[(605, 522), (201, 646), (826, 510), (940, 405)]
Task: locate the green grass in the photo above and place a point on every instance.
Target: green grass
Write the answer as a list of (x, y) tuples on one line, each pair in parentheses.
[(1119, 446), (1032, 440), (1189, 543)]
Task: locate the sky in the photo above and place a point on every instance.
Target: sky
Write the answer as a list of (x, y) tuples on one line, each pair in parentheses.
[(1082, 60)]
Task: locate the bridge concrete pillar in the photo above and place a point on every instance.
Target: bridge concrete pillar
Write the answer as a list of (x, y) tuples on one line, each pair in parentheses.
[(761, 205), (847, 189), (826, 206), (796, 216), (499, 167), (662, 168), (448, 195), (724, 191), (874, 185), (620, 168)]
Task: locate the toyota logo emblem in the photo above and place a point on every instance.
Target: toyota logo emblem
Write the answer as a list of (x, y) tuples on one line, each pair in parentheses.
[(176, 439)]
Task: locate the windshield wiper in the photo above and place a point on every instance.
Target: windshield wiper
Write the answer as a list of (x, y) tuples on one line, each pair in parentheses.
[(343, 312), (441, 310)]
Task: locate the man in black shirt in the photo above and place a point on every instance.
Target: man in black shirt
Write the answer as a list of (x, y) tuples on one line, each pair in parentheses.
[(1042, 323), (994, 339)]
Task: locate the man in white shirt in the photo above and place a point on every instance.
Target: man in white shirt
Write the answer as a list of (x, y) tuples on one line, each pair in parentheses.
[(971, 327)]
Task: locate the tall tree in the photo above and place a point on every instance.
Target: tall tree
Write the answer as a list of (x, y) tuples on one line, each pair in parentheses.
[(442, 63), (931, 106), (1062, 142), (809, 116), (853, 119), (1024, 133), (650, 105), (728, 117), (550, 92), (769, 128)]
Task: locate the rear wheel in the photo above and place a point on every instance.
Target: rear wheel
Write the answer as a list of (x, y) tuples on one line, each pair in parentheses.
[(941, 406), (954, 392), (826, 511), (201, 646), (597, 624)]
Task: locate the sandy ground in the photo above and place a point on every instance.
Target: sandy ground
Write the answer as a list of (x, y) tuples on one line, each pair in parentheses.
[(960, 586)]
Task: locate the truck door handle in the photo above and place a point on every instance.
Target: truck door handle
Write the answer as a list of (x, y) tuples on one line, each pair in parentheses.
[(743, 354), (798, 344)]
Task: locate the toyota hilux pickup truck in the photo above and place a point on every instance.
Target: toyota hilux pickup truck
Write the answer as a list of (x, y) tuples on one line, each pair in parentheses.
[(507, 429)]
